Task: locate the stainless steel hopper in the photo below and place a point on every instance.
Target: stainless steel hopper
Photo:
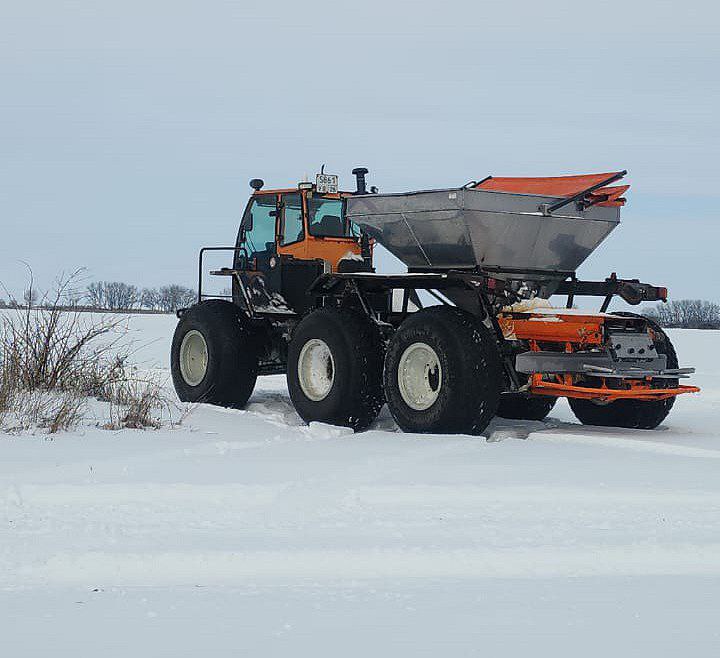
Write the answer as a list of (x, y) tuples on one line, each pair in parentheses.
[(545, 237)]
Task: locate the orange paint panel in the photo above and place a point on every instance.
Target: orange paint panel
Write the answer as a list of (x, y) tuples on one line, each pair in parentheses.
[(296, 249), (609, 196), (328, 249), (559, 186), (549, 185), (583, 329), (288, 190)]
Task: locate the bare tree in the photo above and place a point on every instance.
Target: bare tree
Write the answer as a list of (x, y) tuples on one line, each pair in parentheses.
[(688, 314), (150, 298), (96, 294), (121, 296), (30, 296), (173, 297), (74, 298), (113, 295)]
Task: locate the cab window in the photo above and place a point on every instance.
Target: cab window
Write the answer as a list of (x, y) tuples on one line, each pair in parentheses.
[(325, 217), (291, 219), (259, 223)]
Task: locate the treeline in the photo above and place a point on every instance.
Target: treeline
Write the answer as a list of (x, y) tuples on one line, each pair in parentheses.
[(112, 296), (118, 296), (687, 314)]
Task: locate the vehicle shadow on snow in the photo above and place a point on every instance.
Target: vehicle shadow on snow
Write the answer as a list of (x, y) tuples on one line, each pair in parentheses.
[(502, 428), (276, 407)]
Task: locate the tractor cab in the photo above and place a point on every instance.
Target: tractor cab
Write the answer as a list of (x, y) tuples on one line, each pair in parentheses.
[(289, 237)]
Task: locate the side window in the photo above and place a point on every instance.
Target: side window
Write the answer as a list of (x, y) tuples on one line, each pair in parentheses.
[(326, 217), (259, 222), (291, 227)]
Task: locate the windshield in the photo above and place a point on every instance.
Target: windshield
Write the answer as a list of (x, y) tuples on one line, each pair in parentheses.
[(326, 218)]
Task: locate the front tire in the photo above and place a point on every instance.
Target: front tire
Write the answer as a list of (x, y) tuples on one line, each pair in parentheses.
[(334, 370), (214, 356), (443, 373), (632, 414)]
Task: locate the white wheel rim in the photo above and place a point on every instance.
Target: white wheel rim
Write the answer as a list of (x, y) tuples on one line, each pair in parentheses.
[(419, 376), (316, 369), (193, 358)]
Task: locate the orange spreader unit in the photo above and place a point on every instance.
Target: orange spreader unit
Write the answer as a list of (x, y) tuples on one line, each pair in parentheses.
[(579, 330), (576, 331), (561, 186)]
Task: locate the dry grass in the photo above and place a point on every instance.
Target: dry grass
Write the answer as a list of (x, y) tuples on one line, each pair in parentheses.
[(137, 403), (51, 411), (53, 360)]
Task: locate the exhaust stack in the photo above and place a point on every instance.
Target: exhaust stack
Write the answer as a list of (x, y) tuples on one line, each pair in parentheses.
[(359, 173)]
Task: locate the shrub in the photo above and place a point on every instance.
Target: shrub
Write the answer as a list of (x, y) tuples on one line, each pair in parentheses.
[(135, 404), (52, 360)]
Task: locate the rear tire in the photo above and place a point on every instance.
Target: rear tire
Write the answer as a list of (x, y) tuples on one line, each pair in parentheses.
[(632, 414), (443, 373), (214, 356), (520, 406), (334, 371)]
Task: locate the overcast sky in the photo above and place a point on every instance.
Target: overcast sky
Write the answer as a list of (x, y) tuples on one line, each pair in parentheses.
[(129, 130)]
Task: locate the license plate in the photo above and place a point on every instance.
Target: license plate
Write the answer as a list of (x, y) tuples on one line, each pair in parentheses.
[(326, 184)]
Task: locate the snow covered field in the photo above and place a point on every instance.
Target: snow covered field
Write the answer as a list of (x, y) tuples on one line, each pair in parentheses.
[(245, 533)]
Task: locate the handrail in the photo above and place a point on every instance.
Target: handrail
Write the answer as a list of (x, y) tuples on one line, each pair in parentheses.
[(235, 249)]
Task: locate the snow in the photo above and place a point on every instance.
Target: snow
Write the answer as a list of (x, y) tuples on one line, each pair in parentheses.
[(247, 533), (534, 304), (552, 310), (349, 255)]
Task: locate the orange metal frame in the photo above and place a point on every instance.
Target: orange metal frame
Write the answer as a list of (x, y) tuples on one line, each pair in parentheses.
[(574, 332), (637, 390)]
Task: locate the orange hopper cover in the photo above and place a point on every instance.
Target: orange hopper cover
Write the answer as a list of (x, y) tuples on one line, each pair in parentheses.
[(561, 186)]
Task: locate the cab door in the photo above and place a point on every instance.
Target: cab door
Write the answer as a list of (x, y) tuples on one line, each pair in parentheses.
[(291, 226), (257, 266), (258, 231), (297, 268)]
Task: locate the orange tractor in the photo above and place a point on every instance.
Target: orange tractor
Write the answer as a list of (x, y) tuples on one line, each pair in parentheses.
[(465, 335)]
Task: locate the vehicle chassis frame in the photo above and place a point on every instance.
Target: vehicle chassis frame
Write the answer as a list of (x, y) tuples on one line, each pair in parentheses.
[(493, 288)]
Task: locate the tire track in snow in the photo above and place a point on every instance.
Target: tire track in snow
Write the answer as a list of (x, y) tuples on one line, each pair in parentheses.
[(287, 567), (627, 442)]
